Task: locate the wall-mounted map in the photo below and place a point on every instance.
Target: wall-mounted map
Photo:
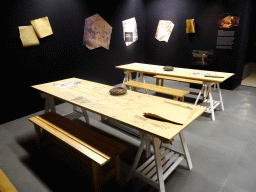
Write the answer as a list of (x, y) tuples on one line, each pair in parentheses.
[(164, 30), (97, 32), (130, 31)]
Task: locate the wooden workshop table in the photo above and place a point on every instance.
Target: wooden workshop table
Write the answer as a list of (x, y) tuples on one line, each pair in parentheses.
[(208, 80), (128, 109)]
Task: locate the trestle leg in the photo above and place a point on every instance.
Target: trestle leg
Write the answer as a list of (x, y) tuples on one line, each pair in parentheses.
[(185, 148)]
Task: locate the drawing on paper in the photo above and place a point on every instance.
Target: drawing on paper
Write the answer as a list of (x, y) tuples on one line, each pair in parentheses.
[(130, 31), (68, 84), (164, 30), (97, 32)]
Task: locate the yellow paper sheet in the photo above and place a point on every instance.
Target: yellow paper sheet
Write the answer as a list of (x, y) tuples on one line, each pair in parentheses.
[(171, 112), (28, 36), (42, 27), (190, 26)]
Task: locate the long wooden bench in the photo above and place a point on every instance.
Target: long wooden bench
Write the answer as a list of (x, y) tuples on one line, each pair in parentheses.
[(176, 93), (161, 78), (5, 183), (98, 148)]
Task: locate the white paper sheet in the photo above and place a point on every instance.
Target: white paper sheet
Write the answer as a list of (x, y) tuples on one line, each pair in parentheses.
[(68, 84), (164, 30), (130, 31)]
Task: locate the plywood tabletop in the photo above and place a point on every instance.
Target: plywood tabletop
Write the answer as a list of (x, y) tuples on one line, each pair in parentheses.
[(127, 109), (177, 72)]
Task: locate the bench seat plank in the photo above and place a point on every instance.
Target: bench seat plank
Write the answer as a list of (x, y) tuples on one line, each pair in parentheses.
[(156, 88), (162, 77), (91, 143)]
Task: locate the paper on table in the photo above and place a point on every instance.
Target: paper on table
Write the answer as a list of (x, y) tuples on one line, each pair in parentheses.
[(68, 84), (168, 111), (205, 73), (42, 27), (28, 36)]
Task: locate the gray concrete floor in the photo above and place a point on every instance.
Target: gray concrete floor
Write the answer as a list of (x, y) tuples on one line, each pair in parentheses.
[(223, 152)]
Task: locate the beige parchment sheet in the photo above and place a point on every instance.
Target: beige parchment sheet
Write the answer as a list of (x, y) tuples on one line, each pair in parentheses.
[(42, 27), (28, 36)]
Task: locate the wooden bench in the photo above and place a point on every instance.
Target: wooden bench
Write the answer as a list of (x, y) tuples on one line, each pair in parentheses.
[(5, 183), (162, 78), (176, 93), (98, 148)]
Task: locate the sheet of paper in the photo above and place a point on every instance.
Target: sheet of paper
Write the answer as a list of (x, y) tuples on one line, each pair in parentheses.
[(164, 30), (97, 32), (175, 113), (28, 36), (130, 31), (205, 73), (42, 27), (68, 84), (190, 23)]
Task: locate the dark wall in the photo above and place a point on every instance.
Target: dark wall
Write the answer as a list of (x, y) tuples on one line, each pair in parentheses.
[(63, 55), (178, 50), (251, 50)]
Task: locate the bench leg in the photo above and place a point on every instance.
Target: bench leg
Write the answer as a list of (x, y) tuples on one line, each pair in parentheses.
[(157, 81), (182, 99), (162, 82), (175, 98), (117, 168), (38, 135), (96, 175)]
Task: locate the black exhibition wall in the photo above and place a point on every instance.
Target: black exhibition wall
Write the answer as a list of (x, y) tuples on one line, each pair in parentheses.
[(178, 51), (63, 55)]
